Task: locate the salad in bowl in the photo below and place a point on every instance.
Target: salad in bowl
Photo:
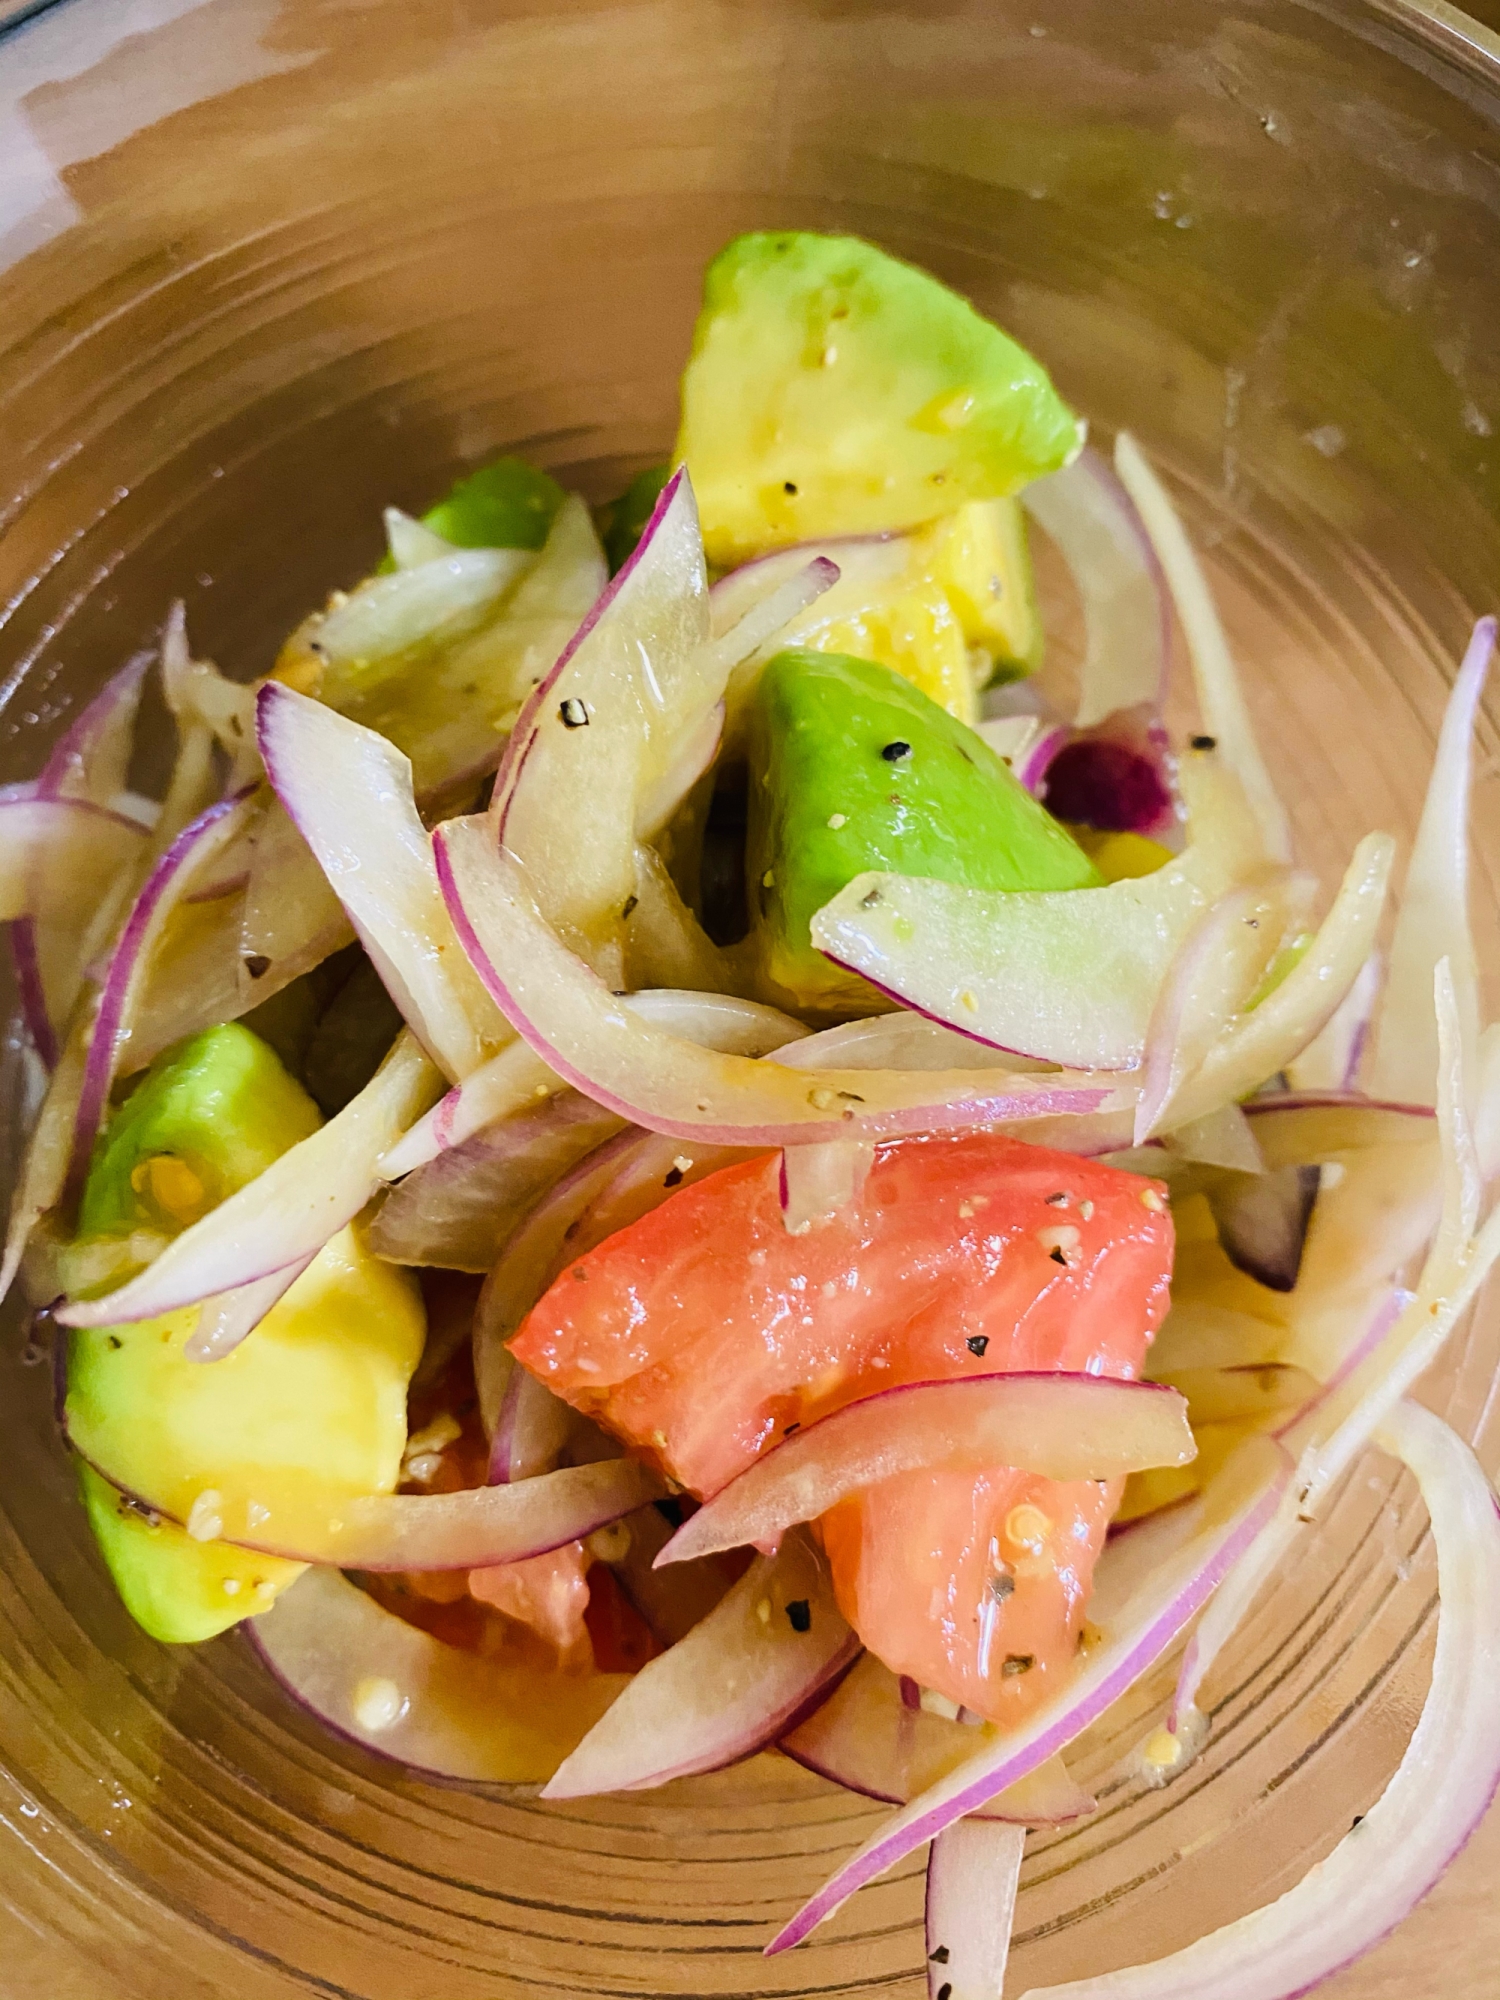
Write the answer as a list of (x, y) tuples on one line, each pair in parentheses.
[(663, 1147)]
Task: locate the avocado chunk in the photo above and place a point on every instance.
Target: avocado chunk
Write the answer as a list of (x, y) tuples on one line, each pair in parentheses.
[(314, 1402), (506, 505), (623, 522), (834, 390), (178, 1590), (852, 768)]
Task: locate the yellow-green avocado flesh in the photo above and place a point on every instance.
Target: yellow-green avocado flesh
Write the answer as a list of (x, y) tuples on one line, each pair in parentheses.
[(314, 1400)]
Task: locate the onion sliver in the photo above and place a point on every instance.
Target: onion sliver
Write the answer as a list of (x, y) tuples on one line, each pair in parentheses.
[(1256, 1043), (973, 1872), (1060, 1426), (375, 1680), (1433, 922), (349, 794), (1221, 700), (1127, 622), (459, 1210), (866, 1738), (1148, 1585), (49, 1148), (513, 1080), (1437, 1797), (225, 1321), (473, 1529), (605, 731), (285, 1214), (659, 1080), (738, 1680), (533, 1427), (817, 1181), (194, 851)]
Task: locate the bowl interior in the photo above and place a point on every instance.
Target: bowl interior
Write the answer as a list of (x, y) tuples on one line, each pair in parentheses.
[(267, 265)]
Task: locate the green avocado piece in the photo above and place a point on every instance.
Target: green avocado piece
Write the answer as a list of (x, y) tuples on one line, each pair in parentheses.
[(214, 1112), (313, 1402), (623, 521), (178, 1590), (834, 390), (506, 505), (853, 768)]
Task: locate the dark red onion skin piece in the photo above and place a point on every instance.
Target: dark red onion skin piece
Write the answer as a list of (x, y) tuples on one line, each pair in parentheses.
[(1106, 785), (1263, 1221)]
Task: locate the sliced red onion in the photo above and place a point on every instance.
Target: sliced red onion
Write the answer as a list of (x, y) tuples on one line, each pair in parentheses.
[(817, 1181), (666, 792), (286, 1213), (513, 1080), (1257, 1043), (665, 945), (1032, 766), (224, 1321), (670, 1603), (196, 690), (1262, 1221), (769, 616), (1244, 1392), (1433, 921), (1441, 1790), (49, 1149), (389, 618), (349, 794), (661, 1081), (473, 1529), (603, 733), (1221, 700), (1214, 973), (1061, 1426), (92, 758), (530, 1432), (1332, 1059), (1127, 619), (870, 1738), (1148, 1585), (1066, 976), (374, 1680), (458, 1211), (973, 1873), (291, 919), (193, 851), (738, 1680)]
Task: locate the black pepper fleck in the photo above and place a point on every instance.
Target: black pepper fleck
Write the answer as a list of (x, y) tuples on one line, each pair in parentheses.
[(257, 965), (945, 1991), (1205, 742), (114, 1341), (1017, 1663), (790, 1428), (897, 752), (573, 713), (632, 904), (868, 902), (799, 1612), (977, 1342), (940, 1956), (1358, 1820), (1056, 1254), (789, 486), (674, 1177)]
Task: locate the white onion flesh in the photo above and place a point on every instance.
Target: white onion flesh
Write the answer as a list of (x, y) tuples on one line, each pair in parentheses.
[(1441, 1790), (1433, 920), (869, 1738), (375, 1680), (1221, 699), (349, 794), (973, 1873), (731, 1687), (1060, 1426)]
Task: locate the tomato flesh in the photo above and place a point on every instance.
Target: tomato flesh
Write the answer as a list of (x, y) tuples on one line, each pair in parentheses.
[(705, 1330)]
